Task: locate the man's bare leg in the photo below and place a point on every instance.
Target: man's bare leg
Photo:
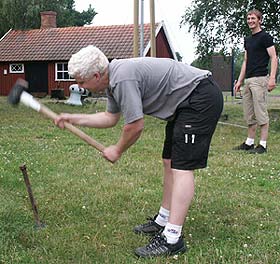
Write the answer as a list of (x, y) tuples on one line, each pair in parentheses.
[(264, 132), (182, 195), (252, 131), (167, 184)]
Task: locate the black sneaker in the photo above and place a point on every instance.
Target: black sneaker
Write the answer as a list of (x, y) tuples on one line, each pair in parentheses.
[(150, 228), (158, 246), (244, 146), (259, 149)]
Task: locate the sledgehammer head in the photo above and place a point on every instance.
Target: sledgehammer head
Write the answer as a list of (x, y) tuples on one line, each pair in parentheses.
[(15, 94)]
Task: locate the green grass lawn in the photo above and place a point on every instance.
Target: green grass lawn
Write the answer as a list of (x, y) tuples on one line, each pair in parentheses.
[(90, 206)]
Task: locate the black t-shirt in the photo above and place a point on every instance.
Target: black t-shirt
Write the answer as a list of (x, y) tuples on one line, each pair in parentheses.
[(257, 56)]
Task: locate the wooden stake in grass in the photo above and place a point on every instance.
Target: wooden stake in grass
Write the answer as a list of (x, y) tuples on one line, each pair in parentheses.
[(38, 223)]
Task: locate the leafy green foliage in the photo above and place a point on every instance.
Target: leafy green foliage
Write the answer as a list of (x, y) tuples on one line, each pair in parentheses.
[(25, 14), (219, 25), (90, 206)]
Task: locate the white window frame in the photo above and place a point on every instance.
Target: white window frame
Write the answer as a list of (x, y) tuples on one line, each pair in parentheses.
[(62, 71), (12, 67)]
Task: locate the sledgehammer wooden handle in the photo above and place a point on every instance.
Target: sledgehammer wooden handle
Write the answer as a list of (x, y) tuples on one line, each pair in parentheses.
[(52, 115), (19, 95)]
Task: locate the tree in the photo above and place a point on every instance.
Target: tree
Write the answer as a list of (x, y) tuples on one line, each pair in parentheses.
[(220, 25), (25, 14)]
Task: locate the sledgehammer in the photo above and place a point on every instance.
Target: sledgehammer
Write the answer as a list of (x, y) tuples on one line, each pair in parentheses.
[(18, 95)]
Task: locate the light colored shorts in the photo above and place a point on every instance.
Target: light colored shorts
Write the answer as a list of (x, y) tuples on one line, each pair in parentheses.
[(255, 100)]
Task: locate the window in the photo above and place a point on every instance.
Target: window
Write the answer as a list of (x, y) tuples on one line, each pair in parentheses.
[(61, 72), (16, 68)]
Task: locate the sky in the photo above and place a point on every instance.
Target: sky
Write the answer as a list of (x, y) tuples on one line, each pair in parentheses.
[(119, 12)]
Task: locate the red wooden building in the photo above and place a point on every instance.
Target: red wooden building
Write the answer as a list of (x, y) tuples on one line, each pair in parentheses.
[(41, 55)]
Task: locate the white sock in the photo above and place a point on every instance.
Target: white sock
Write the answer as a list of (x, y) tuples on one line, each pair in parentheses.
[(263, 143), (249, 141), (162, 217), (172, 233)]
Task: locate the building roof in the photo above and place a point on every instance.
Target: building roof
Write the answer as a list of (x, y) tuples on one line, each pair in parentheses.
[(54, 44)]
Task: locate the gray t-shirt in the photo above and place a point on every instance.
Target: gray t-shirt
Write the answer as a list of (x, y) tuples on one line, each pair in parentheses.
[(150, 86)]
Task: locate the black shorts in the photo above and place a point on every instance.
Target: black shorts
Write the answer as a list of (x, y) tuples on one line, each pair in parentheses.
[(188, 136)]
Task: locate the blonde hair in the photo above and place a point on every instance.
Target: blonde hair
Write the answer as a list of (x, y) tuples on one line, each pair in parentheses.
[(86, 62)]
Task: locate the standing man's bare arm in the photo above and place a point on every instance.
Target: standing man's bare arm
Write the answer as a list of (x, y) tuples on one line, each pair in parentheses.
[(274, 64), (241, 77)]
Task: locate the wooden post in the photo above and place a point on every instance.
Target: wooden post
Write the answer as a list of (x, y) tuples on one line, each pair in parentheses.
[(142, 29), (152, 33), (38, 223), (136, 29)]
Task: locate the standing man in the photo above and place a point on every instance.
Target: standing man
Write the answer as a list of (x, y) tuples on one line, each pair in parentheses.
[(186, 97), (259, 48)]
